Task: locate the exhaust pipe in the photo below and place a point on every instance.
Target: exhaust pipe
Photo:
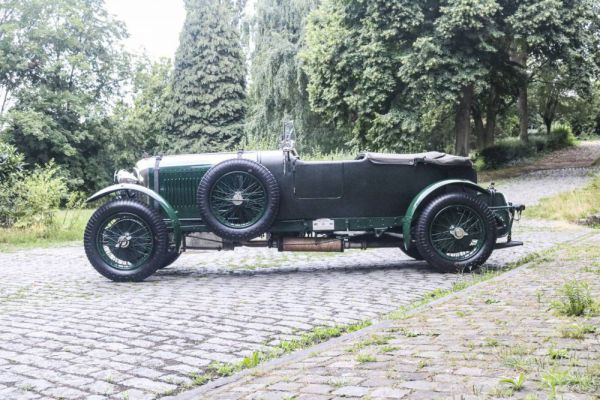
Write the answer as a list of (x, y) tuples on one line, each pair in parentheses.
[(311, 244), (332, 245)]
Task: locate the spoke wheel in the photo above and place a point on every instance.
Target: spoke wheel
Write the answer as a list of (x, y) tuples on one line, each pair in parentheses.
[(457, 232), (125, 241), (238, 199)]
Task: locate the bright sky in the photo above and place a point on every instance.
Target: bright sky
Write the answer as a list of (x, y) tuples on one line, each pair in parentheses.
[(153, 25)]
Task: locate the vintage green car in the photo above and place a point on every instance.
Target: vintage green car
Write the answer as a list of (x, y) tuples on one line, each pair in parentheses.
[(428, 205)]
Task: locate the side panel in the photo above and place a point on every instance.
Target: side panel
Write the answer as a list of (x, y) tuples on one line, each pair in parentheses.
[(367, 189)]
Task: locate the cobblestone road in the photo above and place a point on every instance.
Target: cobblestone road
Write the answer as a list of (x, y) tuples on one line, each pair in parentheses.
[(459, 348), (66, 332)]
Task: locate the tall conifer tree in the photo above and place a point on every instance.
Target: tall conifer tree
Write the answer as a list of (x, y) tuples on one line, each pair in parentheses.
[(208, 89)]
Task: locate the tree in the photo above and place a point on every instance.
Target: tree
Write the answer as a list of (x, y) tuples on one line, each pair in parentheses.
[(278, 84), (547, 33), (141, 124), (379, 67), (354, 52), (396, 71), (208, 105), (63, 89)]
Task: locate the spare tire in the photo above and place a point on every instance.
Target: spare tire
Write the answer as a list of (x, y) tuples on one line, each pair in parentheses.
[(238, 199)]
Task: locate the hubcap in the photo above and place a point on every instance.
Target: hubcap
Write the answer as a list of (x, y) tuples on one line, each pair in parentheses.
[(457, 232), (238, 199), (125, 241)]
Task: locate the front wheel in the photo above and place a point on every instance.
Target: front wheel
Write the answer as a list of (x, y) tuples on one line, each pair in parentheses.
[(126, 240), (456, 232), (170, 258)]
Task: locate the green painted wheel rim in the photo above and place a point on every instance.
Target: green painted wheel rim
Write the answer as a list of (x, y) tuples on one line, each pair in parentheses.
[(457, 232), (238, 200), (125, 241)]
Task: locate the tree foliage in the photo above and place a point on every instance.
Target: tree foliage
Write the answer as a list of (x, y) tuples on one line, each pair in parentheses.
[(399, 72), (141, 124), (66, 67), (277, 90), (208, 106)]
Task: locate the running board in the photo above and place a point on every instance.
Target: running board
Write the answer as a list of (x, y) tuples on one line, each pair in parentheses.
[(506, 245)]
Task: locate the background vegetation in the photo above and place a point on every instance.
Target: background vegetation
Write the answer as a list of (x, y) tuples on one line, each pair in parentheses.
[(494, 79)]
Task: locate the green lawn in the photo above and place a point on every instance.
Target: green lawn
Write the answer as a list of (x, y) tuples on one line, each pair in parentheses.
[(68, 227)]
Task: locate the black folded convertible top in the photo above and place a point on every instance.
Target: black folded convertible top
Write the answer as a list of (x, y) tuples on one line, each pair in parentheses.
[(432, 157)]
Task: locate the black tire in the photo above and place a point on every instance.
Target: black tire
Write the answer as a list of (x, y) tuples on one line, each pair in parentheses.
[(170, 258), (474, 257), (157, 234), (412, 252), (271, 199)]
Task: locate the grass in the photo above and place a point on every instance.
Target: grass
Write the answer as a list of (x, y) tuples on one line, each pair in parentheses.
[(570, 206), (516, 383), (575, 300), (68, 227), (577, 331), (558, 354), (365, 358), (313, 337)]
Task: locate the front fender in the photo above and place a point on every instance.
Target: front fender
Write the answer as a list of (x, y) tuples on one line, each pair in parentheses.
[(164, 205), (423, 195)]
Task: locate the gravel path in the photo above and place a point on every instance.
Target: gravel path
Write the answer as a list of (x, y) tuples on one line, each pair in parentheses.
[(66, 332)]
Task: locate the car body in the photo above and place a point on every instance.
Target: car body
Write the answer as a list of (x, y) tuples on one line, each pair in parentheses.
[(275, 199)]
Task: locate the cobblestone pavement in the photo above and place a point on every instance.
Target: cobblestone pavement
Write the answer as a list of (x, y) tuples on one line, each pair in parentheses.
[(66, 332), (458, 348)]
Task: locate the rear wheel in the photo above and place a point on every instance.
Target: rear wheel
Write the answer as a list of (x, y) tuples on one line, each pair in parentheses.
[(456, 232), (125, 240), (412, 252)]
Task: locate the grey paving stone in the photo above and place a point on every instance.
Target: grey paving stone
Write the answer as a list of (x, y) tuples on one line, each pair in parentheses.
[(74, 329)]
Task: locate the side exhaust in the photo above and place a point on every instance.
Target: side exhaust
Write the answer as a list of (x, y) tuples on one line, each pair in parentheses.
[(332, 245)]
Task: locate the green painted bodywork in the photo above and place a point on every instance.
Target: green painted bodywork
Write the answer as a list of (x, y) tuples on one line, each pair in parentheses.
[(171, 213), (423, 195), (178, 186), (360, 195)]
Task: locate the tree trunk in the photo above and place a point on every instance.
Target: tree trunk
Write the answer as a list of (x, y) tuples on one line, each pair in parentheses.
[(548, 123), (490, 128), (462, 121), (519, 55), (523, 114), (490, 118), (479, 128)]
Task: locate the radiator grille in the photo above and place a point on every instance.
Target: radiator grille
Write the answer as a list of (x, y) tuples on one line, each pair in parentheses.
[(179, 189)]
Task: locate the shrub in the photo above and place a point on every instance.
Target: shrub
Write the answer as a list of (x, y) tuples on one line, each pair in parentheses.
[(560, 137), (32, 198), (504, 152), (11, 162)]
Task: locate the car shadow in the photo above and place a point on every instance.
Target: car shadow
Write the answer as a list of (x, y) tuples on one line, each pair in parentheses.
[(177, 271)]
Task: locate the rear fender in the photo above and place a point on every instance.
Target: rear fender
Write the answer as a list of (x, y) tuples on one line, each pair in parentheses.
[(421, 199), (164, 205)]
